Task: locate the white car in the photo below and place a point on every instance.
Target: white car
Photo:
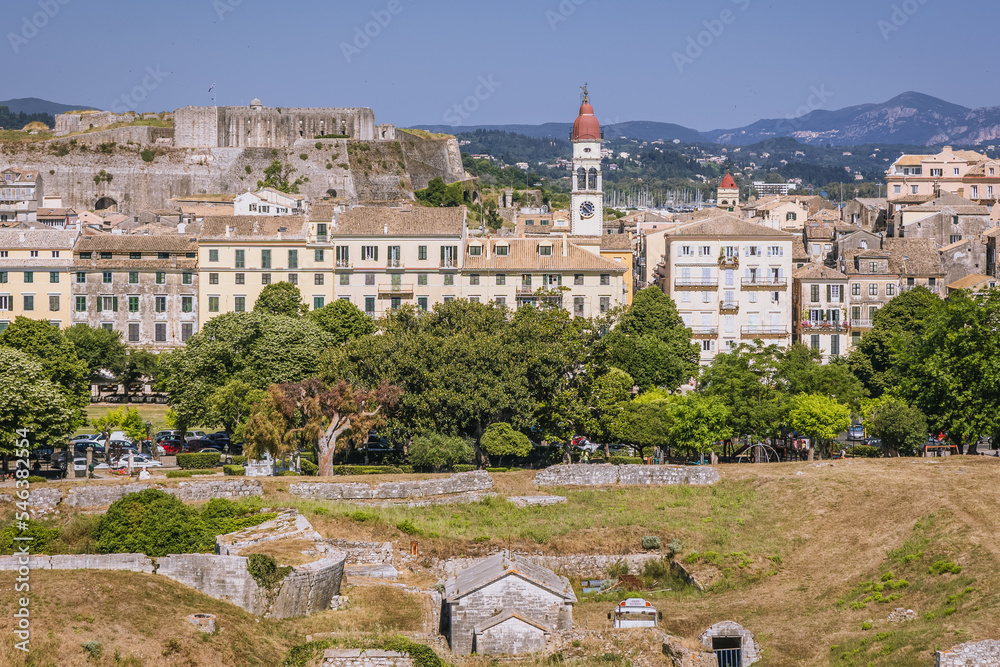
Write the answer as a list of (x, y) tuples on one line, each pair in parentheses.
[(138, 461), (81, 464)]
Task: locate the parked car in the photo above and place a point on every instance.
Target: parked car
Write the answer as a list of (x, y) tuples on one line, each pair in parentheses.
[(80, 464), (856, 432), (621, 450), (198, 444), (171, 446), (84, 436), (165, 435), (873, 442), (138, 461), (81, 448), (221, 438), (193, 435)]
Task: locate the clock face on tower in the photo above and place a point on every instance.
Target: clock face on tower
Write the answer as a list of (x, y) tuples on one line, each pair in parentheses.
[(587, 209)]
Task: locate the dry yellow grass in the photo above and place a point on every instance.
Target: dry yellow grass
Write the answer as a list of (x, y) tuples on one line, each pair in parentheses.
[(287, 551)]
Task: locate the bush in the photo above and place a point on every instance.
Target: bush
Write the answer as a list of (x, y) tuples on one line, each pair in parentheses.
[(651, 543), (288, 473), (497, 469), (206, 460), (308, 467), (93, 649), (501, 440), (309, 456), (234, 470), (366, 470), (463, 467), (303, 156), (436, 451), (39, 534), (173, 474), (35, 479), (942, 566), (618, 569), (265, 571), (237, 460), (625, 460), (864, 451), (148, 155), (202, 472), (406, 469), (408, 527), (151, 522)]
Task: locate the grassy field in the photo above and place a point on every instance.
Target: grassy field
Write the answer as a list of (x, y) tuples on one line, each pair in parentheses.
[(812, 558)]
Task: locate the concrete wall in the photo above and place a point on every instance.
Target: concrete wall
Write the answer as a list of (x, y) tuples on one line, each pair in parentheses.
[(126, 562), (266, 127), (349, 657), (970, 654), (102, 495), (582, 566), (463, 482), (511, 637), (626, 475)]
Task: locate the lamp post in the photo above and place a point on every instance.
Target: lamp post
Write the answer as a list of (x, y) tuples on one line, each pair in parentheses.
[(149, 429)]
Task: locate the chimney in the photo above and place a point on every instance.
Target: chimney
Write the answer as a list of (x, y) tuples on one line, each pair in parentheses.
[(229, 231), (385, 229), (946, 149), (565, 246), (181, 226)]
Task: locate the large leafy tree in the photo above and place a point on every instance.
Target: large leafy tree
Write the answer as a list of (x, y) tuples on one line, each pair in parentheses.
[(231, 405), (501, 440), (801, 372), (901, 428), (343, 321), (874, 360), (313, 412), (30, 400), (817, 416), (280, 299), (951, 369), (606, 399), (651, 343), (49, 346), (99, 348), (746, 381), (698, 423)]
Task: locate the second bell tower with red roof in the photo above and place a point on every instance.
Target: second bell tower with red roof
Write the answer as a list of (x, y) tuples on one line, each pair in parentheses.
[(729, 193)]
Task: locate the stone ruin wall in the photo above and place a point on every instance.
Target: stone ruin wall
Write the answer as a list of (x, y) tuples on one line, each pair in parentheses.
[(625, 475), (463, 482), (41, 500), (267, 127), (970, 654)]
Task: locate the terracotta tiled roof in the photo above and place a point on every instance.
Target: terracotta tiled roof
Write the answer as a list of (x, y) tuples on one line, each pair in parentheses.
[(970, 281), (954, 246), (254, 227), (415, 221), (799, 251), (616, 242), (818, 272), (914, 257), (728, 183), (54, 212), (727, 225), (523, 255), (121, 243), (40, 239), (948, 201)]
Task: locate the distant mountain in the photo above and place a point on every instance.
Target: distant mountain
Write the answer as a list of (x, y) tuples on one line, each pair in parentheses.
[(910, 118), (640, 130), (33, 105)]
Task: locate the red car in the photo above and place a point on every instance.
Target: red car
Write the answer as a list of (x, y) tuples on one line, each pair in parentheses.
[(172, 445)]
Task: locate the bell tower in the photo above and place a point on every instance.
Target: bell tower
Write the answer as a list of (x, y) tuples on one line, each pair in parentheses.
[(587, 198)]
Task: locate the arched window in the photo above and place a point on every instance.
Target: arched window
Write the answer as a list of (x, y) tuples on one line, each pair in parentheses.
[(581, 177), (592, 180), (863, 245)]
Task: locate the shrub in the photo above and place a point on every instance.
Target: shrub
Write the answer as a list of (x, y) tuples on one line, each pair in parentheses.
[(863, 451), (202, 472), (93, 649), (366, 470), (436, 451), (308, 467), (406, 469), (35, 479), (463, 467), (39, 534), (237, 460), (265, 571), (497, 469), (501, 440), (617, 569), (206, 460), (303, 156), (151, 522), (288, 473), (321, 511), (234, 470), (625, 460), (319, 146), (248, 169), (173, 474), (148, 155), (408, 528), (942, 566), (651, 543)]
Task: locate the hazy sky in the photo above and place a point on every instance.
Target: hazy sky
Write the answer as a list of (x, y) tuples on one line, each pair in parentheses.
[(703, 64)]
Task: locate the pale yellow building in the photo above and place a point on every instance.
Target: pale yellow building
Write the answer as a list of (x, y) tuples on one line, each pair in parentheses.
[(35, 272)]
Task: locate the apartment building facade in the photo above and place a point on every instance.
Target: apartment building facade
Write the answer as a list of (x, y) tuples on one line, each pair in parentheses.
[(35, 271), (145, 287), (21, 195), (964, 173), (731, 282), (819, 297)]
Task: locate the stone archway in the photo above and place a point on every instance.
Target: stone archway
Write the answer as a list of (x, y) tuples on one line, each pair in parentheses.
[(733, 639), (106, 204)]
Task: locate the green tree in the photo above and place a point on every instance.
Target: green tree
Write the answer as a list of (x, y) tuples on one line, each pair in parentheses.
[(951, 369), (607, 397), (698, 423), (437, 193), (99, 348), (901, 428), (280, 299), (278, 176), (501, 440), (57, 355), (124, 418), (139, 365), (819, 417), (30, 400), (436, 451), (151, 522), (746, 380), (801, 372), (231, 405), (651, 343), (644, 423), (343, 321)]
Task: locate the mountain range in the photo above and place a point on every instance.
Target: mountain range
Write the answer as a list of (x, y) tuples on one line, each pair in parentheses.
[(33, 105)]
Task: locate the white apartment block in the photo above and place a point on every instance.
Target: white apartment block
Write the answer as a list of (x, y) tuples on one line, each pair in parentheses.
[(730, 280)]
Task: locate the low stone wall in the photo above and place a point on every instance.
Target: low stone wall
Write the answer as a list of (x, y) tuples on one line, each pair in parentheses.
[(971, 653), (463, 482), (583, 566), (102, 495), (363, 553), (287, 525), (126, 562), (346, 657), (626, 475)]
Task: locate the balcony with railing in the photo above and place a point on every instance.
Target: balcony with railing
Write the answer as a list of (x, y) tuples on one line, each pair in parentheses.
[(934, 289), (764, 332), (765, 283), (525, 290), (729, 261), (696, 283), (704, 332), (395, 290), (448, 263), (729, 307), (395, 263), (344, 264), (817, 326), (861, 324)]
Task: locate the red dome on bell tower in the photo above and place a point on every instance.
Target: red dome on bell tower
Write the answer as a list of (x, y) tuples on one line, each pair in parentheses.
[(586, 127)]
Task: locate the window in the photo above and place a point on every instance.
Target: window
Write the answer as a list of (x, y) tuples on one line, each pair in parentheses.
[(106, 277), (605, 304), (956, 172), (29, 302), (605, 278), (293, 259), (856, 289), (578, 279), (107, 326), (814, 293), (318, 279), (545, 250), (937, 172), (160, 335), (501, 279), (975, 192), (791, 217), (422, 254), (213, 255), (55, 253), (449, 279), (890, 289), (422, 302), (160, 304), (213, 304), (319, 255), (476, 251), (872, 289), (421, 278), (33, 253), (955, 238), (343, 256), (163, 255), (914, 189), (81, 304), (836, 293), (83, 255), (53, 303), (81, 277), (265, 259), (265, 279), (775, 297), (502, 250), (133, 304), (474, 278), (318, 302), (685, 251), (369, 253), (213, 279), (897, 189), (240, 304), (240, 278), (161, 277), (753, 297), (133, 277), (529, 223), (501, 301), (187, 330), (369, 279), (133, 332), (345, 279), (370, 305), (705, 251), (707, 345), (578, 306), (873, 266), (191, 255), (240, 259), (293, 278), (29, 277), (835, 345), (814, 342), (187, 304), (526, 280), (449, 256)]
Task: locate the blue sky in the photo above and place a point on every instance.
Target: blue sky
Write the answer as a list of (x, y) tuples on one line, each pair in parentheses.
[(706, 64)]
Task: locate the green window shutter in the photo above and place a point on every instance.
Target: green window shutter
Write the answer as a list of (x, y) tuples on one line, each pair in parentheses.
[(100, 304), (843, 288), (442, 253), (376, 253), (114, 303), (828, 290)]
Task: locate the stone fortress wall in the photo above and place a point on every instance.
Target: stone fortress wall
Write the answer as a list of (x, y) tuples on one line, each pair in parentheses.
[(258, 126)]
